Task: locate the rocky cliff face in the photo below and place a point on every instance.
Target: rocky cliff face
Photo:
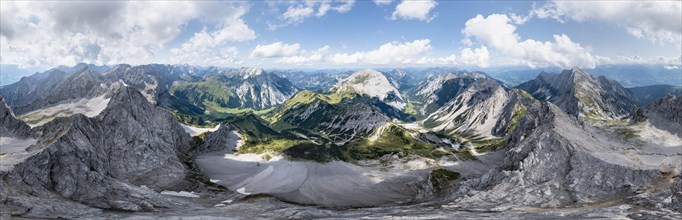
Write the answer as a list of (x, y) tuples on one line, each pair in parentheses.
[(102, 161), (9, 125), (226, 138), (664, 113), (244, 88), (259, 89), (438, 90), (62, 85), (373, 84), (475, 106), (340, 122), (551, 161), (580, 94)]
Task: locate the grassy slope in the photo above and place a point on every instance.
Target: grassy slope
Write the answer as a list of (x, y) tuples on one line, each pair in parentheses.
[(393, 140), (210, 90), (206, 102), (272, 137)]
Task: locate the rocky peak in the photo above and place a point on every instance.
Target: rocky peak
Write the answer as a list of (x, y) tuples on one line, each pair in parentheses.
[(102, 161), (373, 84), (580, 94), (129, 106), (127, 96), (550, 153), (577, 73), (248, 72), (440, 89), (9, 125), (5, 110), (226, 138), (665, 113), (472, 106)]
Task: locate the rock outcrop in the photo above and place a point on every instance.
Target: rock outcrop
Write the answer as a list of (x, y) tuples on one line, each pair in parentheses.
[(244, 88), (436, 91), (226, 138), (551, 161), (473, 105), (116, 160), (664, 113), (9, 125), (580, 94), (373, 84)]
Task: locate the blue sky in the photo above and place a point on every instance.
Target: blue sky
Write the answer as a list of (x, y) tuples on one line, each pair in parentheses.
[(351, 34)]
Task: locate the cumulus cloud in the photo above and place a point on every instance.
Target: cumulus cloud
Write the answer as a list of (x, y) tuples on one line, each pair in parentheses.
[(296, 14), (415, 10), (210, 47), (277, 49), (106, 32), (658, 21), (393, 52), (448, 60), (316, 56), (674, 60), (204, 56), (382, 2), (497, 32), (671, 67), (476, 57), (299, 11)]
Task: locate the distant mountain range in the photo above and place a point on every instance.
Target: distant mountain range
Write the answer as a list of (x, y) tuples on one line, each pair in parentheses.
[(635, 75)]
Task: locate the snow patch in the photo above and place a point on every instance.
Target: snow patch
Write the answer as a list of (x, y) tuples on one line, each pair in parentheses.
[(13, 151), (181, 194), (13, 145), (248, 72), (227, 201), (149, 91), (88, 107), (662, 138), (195, 131)]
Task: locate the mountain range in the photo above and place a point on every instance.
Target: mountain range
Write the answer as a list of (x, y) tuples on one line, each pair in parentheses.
[(91, 141)]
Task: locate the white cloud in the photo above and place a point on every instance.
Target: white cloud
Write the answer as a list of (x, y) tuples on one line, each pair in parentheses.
[(298, 11), (344, 58), (518, 19), (497, 32), (675, 60), (415, 10), (476, 57), (389, 53), (209, 48), (392, 53), (382, 2), (315, 57), (104, 32), (297, 14), (204, 56), (277, 49), (658, 21), (448, 60), (671, 67)]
